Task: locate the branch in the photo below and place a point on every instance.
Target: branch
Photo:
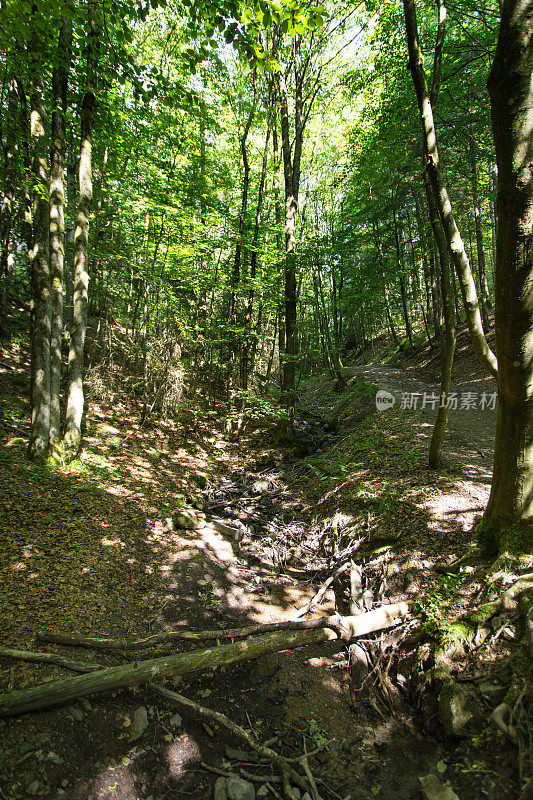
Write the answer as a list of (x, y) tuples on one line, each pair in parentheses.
[(139, 673)]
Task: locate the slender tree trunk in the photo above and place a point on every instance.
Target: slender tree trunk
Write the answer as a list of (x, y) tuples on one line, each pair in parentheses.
[(451, 231), (57, 223), (508, 520), (381, 262), (407, 321), (75, 399), (8, 201), (69, 236), (279, 246), (239, 248), (40, 269), (291, 207), (246, 345), (482, 275)]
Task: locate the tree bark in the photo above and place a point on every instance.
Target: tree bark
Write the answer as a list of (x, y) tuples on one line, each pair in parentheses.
[(75, 400), (442, 200), (8, 201), (40, 269), (481, 267), (57, 222), (507, 522)]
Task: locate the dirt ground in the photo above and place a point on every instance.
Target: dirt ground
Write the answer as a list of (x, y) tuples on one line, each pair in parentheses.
[(91, 549)]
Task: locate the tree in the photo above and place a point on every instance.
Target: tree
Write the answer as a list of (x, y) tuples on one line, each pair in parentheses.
[(508, 520), (75, 401)]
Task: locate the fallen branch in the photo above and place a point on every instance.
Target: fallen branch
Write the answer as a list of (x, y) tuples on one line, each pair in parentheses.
[(48, 658), (319, 596), (281, 764), (166, 637), (139, 673)]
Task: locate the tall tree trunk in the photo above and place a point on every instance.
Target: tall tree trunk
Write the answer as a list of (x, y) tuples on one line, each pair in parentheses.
[(247, 321), (8, 201), (75, 400), (508, 520), (69, 235), (57, 222), (279, 246), (239, 248), (399, 256), (291, 207), (381, 262), (482, 274), (40, 270), (442, 200)]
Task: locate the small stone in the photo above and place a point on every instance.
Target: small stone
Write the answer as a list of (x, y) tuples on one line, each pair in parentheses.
[(200, 479), (188, 518), (204, 693), (263, 791), (51, 756), (176, 721), (75, 713), (139, 724), (296, 793), (236, 755), (239, 789), (33, 788), (307, 796), (85, 704), (220, 791), (455, 711)]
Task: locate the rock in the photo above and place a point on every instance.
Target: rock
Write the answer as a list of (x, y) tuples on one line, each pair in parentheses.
[(139, 724), (455, 711), (263, 791), (75, 713), (176, 721), (54, 758), (236, 755), (296, 793), (85, 704), (307, 796), (220, 791), (200, 479), (433, 789), (239, 789), (187, 518), (33, 788)]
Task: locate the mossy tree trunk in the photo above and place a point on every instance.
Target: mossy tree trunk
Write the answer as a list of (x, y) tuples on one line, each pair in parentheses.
[(508, 520), (40, 269), (75, 400), (57, 221)]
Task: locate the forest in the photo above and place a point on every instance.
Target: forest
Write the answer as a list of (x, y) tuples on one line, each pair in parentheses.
[(266, 380)]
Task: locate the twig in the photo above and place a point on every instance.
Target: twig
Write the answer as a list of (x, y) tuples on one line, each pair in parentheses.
[(319, 596), (279, 762), (214, 770), (309, 775)]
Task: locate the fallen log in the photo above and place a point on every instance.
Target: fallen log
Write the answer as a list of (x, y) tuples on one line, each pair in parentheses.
[(67, 689), (48, 658), (166, 637)]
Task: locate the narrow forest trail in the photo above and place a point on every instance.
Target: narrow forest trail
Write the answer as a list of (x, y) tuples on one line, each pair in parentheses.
[(469, 439)]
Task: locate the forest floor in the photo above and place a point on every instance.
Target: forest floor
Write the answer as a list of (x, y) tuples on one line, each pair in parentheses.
[(92, 549)]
